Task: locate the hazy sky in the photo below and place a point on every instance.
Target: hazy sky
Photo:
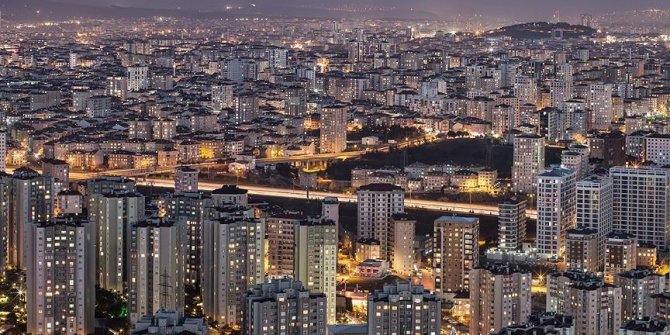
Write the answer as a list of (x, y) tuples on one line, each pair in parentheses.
[(512, 8)]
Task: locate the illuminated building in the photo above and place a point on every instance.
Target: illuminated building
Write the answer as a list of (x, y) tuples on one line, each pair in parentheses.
[(455, 252), (232, 263), (283, 306), (528, 162), (403, 308), (157, 266), (60, 276), (315, 260), (555, 210), (499, 297), (333, 128), (113, 214), (376, 204)]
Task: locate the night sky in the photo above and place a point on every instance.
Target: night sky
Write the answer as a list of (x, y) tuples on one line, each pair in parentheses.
[(511, 8)]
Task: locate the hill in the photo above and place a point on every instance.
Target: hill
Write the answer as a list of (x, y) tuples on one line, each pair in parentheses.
[(540, 30)]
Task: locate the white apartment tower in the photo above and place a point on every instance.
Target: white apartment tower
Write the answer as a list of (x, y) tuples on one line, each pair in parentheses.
[(528, 162), (595, 203), (315, 261), (499, 297), (455, 252), (333, 128), (330, 209), (138, 78), (232, 264), (376, 204), (402, 244), (555, 210), (642, 203), (599, 101), (656, 148), (60, 276), (594, 305), (230, 194)]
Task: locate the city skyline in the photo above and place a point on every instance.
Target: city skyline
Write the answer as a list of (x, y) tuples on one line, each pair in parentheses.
[(334, 168)]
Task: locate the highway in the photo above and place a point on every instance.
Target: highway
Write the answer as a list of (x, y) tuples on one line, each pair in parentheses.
[(302, 194), (341, 155)]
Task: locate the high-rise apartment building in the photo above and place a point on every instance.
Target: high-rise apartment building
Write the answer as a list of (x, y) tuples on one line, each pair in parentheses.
[(222, 96), (232, 263), (560, 91), (109, 185), (156, 267), (403, 308), (599, 102), (499, 297), (594, 305), (555, 210), (581, 250), (330, 209), (59, 170), (525, 89), (595, 203), (30, 199), (281, 244), (60, 276), (316, 260), (401, 244), (656, 149), (283, 307), (511, 224), (642, 203), (113, 214), (333, 128), (544, 323), (638, 288), (3, 149), (376, 204), (620, 254), (137, 78), (577, 161), (528, 162), (455, 252), (190, 208)]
